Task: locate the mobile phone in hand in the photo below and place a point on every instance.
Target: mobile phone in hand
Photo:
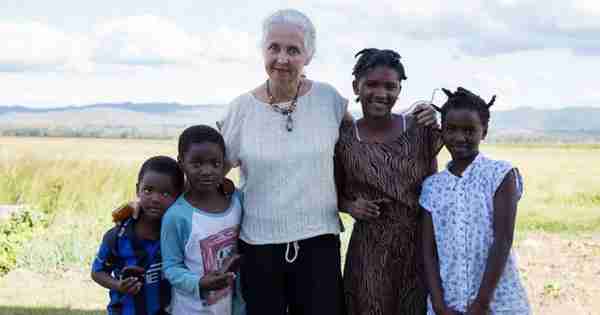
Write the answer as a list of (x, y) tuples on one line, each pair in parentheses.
[(133, 271)]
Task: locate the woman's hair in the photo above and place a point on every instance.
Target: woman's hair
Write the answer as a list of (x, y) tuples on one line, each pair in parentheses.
[(296, 18), (465, 99), (199, 134), (370, 58), (163, 165)]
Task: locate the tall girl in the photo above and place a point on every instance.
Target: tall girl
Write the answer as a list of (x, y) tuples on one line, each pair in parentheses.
[(381, 161), (469, 220)]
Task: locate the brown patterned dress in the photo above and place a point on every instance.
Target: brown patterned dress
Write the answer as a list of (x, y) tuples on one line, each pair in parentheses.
[(382, 275)]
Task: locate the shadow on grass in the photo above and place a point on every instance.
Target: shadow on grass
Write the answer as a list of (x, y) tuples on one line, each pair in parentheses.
[(20, 310)]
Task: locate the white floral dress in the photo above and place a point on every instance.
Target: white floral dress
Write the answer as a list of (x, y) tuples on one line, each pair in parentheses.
[(462, 211)]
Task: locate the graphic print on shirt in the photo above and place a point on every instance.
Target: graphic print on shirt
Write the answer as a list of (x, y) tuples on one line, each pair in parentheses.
[(154, 273), (215, 250)]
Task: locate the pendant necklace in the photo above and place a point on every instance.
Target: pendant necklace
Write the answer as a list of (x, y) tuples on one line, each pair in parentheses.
[(285, 111)]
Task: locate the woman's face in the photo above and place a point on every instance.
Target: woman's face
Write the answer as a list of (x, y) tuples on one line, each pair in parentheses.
[(284, 53), (378, 91)]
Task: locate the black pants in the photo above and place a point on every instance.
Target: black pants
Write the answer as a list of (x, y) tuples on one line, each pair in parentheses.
[(310, 285)]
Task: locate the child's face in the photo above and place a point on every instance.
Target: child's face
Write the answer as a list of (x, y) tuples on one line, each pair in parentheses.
[(462, 131), (156, 193), (378, 91), (203, 165)]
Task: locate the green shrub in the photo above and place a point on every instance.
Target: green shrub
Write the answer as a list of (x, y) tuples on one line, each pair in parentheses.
[(15, 233)]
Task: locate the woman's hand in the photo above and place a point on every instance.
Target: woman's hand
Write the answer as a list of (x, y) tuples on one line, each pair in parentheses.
[(425, 115), (362, 209), (477, 308)]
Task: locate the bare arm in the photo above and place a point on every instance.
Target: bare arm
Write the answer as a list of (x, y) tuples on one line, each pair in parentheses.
[(105, 280), (339, 178), (505, 211), (347, 117), (358, 208), (127, 286), (431, 264), (344, 202), (432, 268)]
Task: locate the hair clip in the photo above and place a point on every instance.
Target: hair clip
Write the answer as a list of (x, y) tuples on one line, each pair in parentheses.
[(437, 108), (410, 110), (448, 92), (492, 101)]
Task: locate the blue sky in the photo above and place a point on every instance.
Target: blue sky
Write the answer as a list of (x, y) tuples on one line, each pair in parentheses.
[(544, 54)]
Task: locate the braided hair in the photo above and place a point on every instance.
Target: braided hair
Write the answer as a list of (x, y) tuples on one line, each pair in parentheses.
[(465, 99), (370, 58)]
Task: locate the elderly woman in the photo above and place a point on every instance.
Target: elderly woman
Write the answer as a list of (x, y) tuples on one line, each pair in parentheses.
[(282, 135)]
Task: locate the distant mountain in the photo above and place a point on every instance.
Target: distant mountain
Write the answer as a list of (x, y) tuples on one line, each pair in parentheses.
[(566, 119), (168, 119), (527, 118), (148, 108), (121, 120)]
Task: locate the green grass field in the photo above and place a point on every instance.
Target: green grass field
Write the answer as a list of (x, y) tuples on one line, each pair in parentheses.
[(72, 184)]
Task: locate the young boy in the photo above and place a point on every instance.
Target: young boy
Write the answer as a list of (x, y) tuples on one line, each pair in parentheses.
[(129, 259), (200, 231)]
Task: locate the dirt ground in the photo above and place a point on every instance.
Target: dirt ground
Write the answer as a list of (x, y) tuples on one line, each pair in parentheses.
[(561, 273)]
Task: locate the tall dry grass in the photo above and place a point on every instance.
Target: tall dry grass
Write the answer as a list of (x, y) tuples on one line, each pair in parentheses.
[(75, 183)]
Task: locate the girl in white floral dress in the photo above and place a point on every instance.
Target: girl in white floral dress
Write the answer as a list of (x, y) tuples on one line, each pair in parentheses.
[(469, 221)]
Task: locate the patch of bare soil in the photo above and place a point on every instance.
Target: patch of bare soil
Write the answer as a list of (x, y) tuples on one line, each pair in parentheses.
[(561, 273)]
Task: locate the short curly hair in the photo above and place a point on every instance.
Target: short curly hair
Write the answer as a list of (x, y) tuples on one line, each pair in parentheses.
[(199, 134), (163, 165)]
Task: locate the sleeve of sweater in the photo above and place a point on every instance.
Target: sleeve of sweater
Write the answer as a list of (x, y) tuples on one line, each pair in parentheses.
[(231, 128), (340, 104), (175, 232)]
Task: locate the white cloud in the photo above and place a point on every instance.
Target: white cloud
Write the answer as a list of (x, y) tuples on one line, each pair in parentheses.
[(485, 28), (116, 45), (149, 40), (33, 46), (528, 52), (143, 40)]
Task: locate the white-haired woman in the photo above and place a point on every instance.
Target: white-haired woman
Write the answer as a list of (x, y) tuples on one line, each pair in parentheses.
[(282, 135)]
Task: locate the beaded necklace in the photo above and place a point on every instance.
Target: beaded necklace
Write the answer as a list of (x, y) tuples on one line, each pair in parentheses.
[(285, 111)]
